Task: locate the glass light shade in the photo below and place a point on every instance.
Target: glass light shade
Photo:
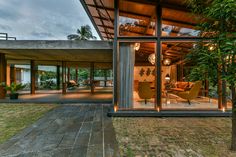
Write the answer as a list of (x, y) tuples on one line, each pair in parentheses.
[(167, 78), (152, 58), (137, 46)]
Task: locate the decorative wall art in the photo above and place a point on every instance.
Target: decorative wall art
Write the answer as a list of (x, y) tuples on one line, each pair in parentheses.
[(148, 72), (141, 72)]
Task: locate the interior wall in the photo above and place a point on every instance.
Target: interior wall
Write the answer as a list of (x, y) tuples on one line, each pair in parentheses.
[(144, 73), (173, 73), (165, 70), (147, 73)]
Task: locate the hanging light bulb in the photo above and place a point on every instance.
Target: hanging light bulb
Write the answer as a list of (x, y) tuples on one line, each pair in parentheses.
[(152, 58), (167, 61), (136, 46), (212, 47)]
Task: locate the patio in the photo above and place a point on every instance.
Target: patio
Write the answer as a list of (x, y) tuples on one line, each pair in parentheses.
[(70, 130), (100, 95)]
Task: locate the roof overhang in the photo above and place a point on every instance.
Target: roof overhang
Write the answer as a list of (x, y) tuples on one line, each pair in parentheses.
[(58, 50)]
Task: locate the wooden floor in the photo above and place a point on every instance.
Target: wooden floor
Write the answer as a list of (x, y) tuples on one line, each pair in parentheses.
[(175, 102)]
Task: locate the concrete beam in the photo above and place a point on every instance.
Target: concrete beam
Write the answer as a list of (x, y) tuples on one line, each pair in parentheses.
[(56, 44)]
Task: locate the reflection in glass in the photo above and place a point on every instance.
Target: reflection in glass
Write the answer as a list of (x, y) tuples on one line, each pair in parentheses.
[(169, 30), (136, 76), (136, 19)]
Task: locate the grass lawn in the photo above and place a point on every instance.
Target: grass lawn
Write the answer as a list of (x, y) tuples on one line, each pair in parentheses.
[(174, 137), (15, 117)]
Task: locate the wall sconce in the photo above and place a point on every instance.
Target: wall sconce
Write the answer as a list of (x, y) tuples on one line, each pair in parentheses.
[(136, 46), (167, 78)]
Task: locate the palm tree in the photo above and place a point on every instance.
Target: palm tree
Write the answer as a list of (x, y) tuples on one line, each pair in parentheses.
[(84, 33)]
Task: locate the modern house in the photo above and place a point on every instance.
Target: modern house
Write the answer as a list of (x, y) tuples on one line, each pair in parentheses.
[(146, 41)]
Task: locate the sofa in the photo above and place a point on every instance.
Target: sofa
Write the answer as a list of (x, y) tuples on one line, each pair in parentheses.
[(181, 86)]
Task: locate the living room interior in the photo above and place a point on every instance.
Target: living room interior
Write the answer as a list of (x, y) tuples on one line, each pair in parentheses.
[(179, 89)]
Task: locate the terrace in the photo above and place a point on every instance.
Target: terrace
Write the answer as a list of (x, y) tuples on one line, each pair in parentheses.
[(58, 71)]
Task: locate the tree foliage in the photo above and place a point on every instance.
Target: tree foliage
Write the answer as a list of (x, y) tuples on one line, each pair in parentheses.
[(217, 22), (84, 33)]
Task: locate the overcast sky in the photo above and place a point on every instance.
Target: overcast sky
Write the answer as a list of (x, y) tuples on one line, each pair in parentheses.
[(42, 19)]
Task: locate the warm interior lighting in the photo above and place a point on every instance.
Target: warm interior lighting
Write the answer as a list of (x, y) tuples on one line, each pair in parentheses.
[(167, 61), (168, 101), (115, 108), (223, 109), (211, 47), (152, 58), (167, 78), (158, 109), (137, 46)]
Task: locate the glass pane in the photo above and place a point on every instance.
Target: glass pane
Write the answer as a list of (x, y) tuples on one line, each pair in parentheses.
[(136, 77), (21, 75), (136, 19), (185, 83), (178, 23), (46, 77)]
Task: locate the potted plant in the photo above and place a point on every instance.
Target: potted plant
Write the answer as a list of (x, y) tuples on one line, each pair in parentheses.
[(13, 88), (2, 90)]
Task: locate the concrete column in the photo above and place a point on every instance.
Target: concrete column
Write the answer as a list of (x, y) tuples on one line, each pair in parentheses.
[(92, 77), (36, 76), (76, 75), (105, 77), (63, 77), (8, 75), (12, 74), (68, 74), (3, 75), (58, 77), (32, 76)]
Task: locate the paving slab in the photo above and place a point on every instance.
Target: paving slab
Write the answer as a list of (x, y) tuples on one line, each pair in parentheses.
[(71, 130)]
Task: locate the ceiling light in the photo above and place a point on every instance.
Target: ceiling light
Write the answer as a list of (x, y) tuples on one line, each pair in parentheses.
[(152, 58), (137, 46), (167, 61)]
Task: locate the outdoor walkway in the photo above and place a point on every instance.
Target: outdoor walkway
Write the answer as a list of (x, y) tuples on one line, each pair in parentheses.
[(69, 131), (101, 95)]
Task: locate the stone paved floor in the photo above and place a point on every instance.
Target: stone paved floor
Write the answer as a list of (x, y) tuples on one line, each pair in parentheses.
[(69, 131)]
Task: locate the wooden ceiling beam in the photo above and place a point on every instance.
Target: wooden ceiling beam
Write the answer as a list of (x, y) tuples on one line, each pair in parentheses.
[(142, 15), (164, 5)]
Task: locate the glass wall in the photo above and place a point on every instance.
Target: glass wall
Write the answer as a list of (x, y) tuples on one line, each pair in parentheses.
[(136, 19), (187, 84), (46, 77), (178, 23), (179, 83), (137, 77)]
